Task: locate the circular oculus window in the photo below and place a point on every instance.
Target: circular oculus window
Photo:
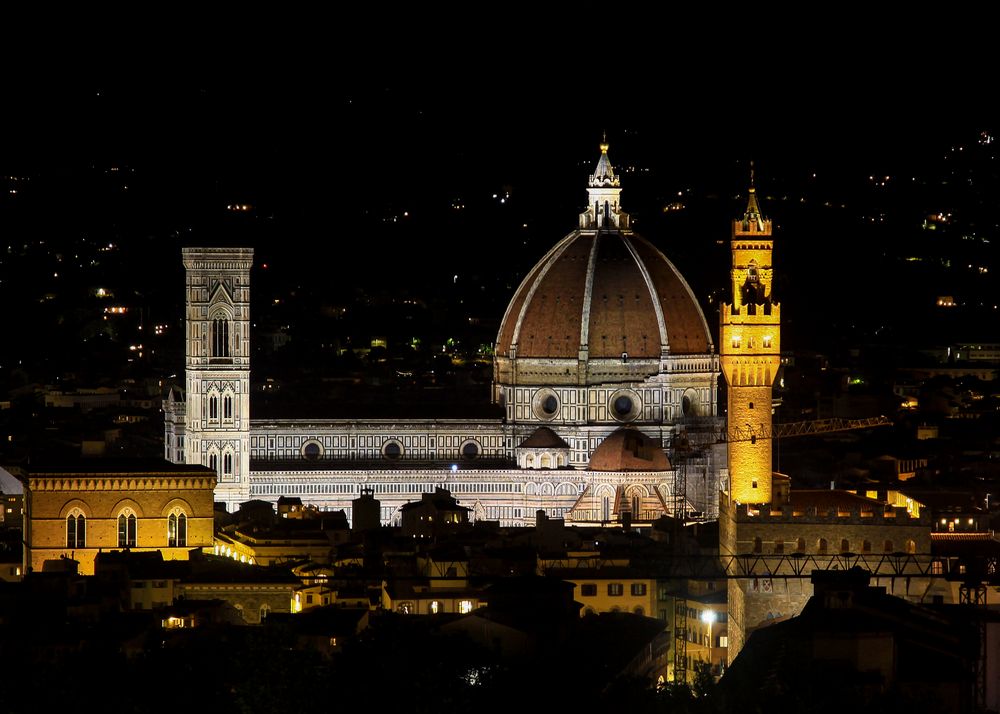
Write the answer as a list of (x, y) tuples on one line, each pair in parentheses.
[(392, 450), (624, 405), (545, 404)]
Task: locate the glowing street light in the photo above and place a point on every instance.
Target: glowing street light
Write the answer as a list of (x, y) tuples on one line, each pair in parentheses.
[(709, 617)]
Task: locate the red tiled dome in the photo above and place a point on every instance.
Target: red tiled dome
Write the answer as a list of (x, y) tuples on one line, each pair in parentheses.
[(613, 291)]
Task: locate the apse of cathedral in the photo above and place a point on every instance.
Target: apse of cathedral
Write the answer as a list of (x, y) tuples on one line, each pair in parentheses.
[(605, 369)]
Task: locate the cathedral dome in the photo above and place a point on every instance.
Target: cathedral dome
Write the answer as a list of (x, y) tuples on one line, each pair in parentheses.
[(602, 293), (610, 292)]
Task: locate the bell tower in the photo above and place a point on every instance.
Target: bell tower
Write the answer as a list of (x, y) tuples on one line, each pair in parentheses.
[(217, 366), (750, 354)]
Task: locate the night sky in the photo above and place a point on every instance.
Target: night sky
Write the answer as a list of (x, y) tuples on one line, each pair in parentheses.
[(370, 157)]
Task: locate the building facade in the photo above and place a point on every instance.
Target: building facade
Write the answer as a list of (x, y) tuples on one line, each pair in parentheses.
[(603, 334), (77, 510)]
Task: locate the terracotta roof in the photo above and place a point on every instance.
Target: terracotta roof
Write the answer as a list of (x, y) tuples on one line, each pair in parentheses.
[(826, 499)]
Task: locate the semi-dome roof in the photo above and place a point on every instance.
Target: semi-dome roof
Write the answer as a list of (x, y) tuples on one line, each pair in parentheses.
[(603, 290), (628, 449)]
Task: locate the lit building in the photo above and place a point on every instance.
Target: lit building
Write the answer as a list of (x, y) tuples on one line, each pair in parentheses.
[(79, 509), (772, 534), (603, 334)]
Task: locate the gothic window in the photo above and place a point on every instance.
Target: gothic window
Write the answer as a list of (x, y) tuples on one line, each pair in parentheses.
[(227, 406), (227, 464), (176, 530), (76, 530), (213, 407), (213, 462), (126, 529), (220, 337)]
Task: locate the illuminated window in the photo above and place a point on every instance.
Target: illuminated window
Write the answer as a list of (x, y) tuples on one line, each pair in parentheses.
[(638, 589), (767, 341), (76, 530), (126, 529), (911, 547), (736, 341), (465, 606), (937, 568), (588, 590), (615, 589), (176, 530), (435, 607), (220, 337)]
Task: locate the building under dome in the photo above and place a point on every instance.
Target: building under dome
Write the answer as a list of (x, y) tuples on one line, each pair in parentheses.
[(603, 333)]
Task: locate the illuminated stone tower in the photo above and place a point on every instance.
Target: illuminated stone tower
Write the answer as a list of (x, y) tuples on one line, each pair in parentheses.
[(750, 354), (217, 350)]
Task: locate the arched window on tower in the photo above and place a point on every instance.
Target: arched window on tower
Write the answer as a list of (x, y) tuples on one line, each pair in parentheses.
[(220, 337), (213, 407), (213, 462), (227, 407), (227, 464)]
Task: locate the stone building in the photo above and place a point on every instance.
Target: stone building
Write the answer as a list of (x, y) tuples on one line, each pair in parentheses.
[(603, 333), (78, 509), (769, 532)]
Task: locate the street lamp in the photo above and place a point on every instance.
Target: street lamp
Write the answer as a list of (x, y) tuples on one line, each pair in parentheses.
[(709, 617)]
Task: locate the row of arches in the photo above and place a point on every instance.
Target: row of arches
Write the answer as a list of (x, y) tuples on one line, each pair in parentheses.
[(547, 489), (127, 523), (822, 546), (751, 375)]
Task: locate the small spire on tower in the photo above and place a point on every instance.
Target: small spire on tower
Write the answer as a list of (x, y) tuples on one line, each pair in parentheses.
[(753, 212)]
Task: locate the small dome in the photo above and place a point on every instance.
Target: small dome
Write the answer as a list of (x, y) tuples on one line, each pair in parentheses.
[(628, 449)]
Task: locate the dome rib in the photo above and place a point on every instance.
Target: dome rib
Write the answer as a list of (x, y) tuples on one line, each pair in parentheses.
[(653, 296), (588, 296)]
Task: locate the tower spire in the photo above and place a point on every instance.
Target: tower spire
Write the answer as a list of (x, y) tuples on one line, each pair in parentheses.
[(753, 218)]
